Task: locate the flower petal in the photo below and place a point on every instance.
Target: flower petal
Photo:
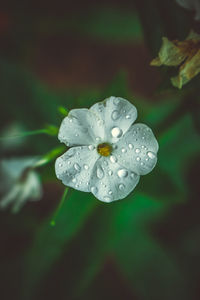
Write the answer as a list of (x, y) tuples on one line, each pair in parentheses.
[(117, 115), (110, 181), (81, 127), (137, 149), (75, 167)]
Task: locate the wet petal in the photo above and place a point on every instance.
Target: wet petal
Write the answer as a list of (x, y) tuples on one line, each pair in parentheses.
[(81, 127), (137, 149), (110, 181), (75, 167), (117, 115)]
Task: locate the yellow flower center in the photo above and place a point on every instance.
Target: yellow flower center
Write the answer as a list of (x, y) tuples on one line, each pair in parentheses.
[(104, 149)]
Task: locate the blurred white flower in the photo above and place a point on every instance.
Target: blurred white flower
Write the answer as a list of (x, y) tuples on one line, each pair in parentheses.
[(192, 5), (19, 182), (108, 153), (12, 130)]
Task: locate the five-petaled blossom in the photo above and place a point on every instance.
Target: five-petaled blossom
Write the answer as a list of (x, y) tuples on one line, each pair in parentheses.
[(19, 182), (108, 154)]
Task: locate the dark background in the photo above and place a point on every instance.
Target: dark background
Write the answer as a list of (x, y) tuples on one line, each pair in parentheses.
[(75, 53)]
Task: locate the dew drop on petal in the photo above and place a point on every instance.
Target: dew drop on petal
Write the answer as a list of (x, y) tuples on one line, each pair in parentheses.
[(133, 175), (110, 192), (91, 147), (107, 199), (110, 172), (116, 132), (151, 155), (94, 189), (100, 173), (124, 150), (113, 159), (121, 186), (137, 150), (97, 138), (115, 115), (122, 173), (60, 165), (77, 167), (116, 101), (128, 116), (105, 162), (138, 158), (74, 180), (85, 167), (130, 146)]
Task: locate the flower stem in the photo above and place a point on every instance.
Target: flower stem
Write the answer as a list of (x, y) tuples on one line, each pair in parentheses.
[(53, 220), (25, 133), (49, 156)]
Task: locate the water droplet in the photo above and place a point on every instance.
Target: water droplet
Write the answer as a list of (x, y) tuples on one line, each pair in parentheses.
[(70, 120), (116, 101), (85, 167), (143, 137), (110, 172), (77, 167), (91, 147), (128, 116), (116, 132), (113, 159), (60, 165), (115, 115), (147, 159), (137, 150), (133, 175), (142, 146), (134, 132), (130, 146), (100, 173), (107, 199), (121, 186), (76, 134), (122, 173), (69, 162), (124, 150), (97, 138), (76, 185), (110, 192), (151, 155), (87, 183), (142, 164), (138, 158), (105, 162), (94, 189)]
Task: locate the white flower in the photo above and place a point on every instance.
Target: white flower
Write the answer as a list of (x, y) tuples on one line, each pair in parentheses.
[(19, 182), (108, 153), (192, 5)]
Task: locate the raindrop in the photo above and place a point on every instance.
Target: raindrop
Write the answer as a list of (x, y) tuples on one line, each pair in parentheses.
[(122, 173), (134, 132), (70, 120), (77, 167), (94, 189), (137, 150), (110, 172), (138, 158), (85, 167), (91, 147), (113, 159), (76, 134), (151, 155), (133, 175), (110, 192), (100, 173), (60, 165), (124, 150), (116, 101), (115, 115), (105, 162), (97, 138), (69, 162), (116, 132), (107, 199), (128, 116), (121, 186), (130, 146), (142, 164)]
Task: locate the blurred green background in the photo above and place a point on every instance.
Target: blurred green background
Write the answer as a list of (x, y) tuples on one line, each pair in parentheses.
[(74, 54)]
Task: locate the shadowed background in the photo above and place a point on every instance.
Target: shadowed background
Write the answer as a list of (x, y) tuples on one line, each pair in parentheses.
[(75, 53)]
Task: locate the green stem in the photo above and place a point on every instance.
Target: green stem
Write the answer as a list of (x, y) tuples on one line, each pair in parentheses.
[(53, 220), (51, 155), (26, 133)]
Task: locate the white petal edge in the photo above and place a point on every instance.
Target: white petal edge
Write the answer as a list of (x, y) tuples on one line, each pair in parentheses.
[(115, 112), (137, 149), (75, 167)]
